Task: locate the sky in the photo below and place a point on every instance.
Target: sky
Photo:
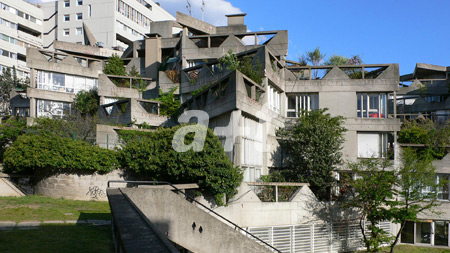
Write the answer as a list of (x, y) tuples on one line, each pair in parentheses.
[(382, 31)]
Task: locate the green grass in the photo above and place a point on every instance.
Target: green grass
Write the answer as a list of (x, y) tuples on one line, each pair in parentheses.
[(55, 237), (58, 238), (44, 208)]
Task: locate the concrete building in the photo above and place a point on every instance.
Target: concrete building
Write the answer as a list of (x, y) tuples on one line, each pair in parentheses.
[(109, 24), (56, 76), (425, 92), (21, 27)]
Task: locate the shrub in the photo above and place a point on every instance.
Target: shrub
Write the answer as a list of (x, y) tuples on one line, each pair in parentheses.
[(86, 102), (151, 154), (9, 131), (48, 153)]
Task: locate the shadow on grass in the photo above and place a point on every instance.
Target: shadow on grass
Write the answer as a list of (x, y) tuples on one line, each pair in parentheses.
[(88, 215), (58, 238)]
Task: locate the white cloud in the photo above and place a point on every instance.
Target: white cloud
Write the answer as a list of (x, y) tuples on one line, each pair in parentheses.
[(215, 10)]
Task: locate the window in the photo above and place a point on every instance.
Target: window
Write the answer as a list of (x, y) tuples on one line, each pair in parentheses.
[(66, 32), (375, 145), (80, 2), (251, 149), (442, 191), (66, 18), (371, 105), (47, 108), (274, 99), (299, 102), (66, 3), (64, 83), (90, 10), (251, 174), (79, 16), (79, 31)]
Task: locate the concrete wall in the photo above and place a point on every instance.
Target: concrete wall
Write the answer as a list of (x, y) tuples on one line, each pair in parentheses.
[(187, 225), (79, 187)]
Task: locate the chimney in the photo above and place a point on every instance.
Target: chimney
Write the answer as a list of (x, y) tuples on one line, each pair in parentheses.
[(236, 19)]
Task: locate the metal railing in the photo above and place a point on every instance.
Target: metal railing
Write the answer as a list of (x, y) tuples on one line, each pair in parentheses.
[(202, 205)]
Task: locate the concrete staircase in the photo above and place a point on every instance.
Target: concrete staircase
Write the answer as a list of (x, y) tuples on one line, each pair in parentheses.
[(132, 232), (179, 220)]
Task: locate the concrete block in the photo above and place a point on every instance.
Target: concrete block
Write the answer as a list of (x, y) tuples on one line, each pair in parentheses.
[(27, 225), (53, 222), (7, 225)]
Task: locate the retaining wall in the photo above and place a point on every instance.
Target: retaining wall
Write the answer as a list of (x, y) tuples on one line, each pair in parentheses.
[(78, 187)]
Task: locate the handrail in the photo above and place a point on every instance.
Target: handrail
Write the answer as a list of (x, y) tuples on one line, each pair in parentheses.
[(192, 199)]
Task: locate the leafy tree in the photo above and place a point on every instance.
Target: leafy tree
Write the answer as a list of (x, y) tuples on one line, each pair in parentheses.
[(316, 58), (244, 65), (337, 60), (372, 193), (8, 82), (9, 131), (414, 176), (75, 127), (86, 102), (435, 136), (169, 102), (151, 155), (138, 83), (230, 60), (48, 153), (314, 140), (115, 66)]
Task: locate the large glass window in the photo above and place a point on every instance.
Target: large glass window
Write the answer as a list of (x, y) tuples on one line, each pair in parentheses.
[(423, 232), (442, 191), (441, 233), (48, 108), (64, 83), (407, 235), (251, 149), (371, 105), (375, 145), (297, 103), (274, 99)]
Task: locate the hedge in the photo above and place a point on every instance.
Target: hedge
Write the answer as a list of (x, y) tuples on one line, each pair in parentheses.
[(53, 154), (151, 154)]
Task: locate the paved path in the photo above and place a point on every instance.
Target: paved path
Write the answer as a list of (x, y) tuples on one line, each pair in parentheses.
[(27, 225)]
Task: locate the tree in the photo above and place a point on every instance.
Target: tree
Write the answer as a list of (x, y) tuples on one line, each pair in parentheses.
[(115, 66), (244, 65), (315, 57), (416, 183), (337, 60), (152, 155), (169, 103), (8, 82), (86, 102), (372, 193), (314, 140), (9, 131)]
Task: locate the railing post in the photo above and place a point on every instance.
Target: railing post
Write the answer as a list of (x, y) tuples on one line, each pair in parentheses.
[(276, 193)]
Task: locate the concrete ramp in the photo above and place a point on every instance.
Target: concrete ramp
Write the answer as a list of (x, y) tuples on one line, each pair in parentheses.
[(186, 224), (132, 232), (8, 189)]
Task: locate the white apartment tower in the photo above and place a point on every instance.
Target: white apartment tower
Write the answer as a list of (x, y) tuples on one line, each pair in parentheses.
[(106, 23), (21, 26)]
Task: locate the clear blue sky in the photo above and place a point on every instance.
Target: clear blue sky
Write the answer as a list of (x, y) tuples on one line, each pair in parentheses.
[(383, 31)]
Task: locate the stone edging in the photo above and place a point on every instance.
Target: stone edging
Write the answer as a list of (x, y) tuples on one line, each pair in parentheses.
[(26, 225)]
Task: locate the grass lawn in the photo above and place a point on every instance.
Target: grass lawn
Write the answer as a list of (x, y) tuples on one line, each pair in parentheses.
[(55, 237), (44, 208), (58, 238)]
